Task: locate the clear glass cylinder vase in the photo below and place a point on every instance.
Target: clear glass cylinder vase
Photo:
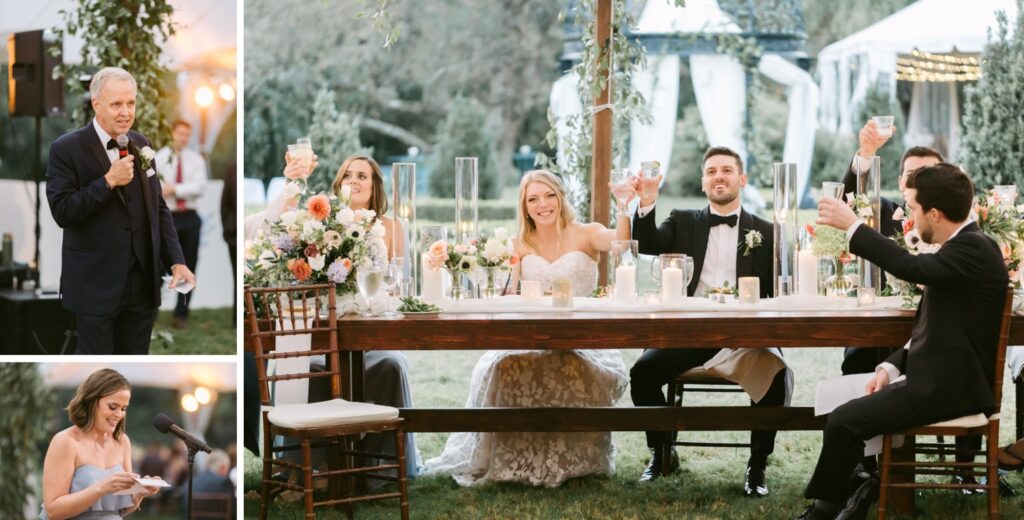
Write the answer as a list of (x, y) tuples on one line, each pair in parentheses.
[(784, 238), (403, 191), (466, 200), (869, 184), (495, 281)]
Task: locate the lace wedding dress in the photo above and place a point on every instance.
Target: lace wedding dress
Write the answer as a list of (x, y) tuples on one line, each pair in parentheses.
[(529, 378)]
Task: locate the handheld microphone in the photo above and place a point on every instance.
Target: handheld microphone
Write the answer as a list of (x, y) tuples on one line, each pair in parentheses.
[(122, 146), (165, 425)]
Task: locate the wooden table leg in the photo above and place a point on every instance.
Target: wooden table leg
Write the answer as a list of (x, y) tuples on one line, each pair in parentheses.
[(901, 500)]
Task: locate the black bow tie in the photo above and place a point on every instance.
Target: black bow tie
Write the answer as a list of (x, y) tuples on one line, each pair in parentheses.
[(729, 220), (111, 144)]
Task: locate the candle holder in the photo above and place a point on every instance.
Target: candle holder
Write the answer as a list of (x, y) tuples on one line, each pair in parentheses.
[(784, 232), (672, 272), (750, 289), (432, 281), (531, 290), (403, 192), (807, 267), (869, 184), (466, 199), (561, 292), (865, 296), (624, 260)]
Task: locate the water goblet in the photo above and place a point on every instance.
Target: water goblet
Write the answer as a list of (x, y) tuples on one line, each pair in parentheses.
[(368, 281), (391, 279)]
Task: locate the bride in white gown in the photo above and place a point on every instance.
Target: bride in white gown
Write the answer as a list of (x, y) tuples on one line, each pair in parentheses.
[(552, 245)]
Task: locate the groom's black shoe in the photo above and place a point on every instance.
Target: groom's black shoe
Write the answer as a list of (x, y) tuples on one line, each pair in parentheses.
[(654, 469), (754, 484), (859, 503), (813, 513)]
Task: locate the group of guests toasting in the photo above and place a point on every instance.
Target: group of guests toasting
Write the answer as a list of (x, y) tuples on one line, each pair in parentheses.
[(944, 371)]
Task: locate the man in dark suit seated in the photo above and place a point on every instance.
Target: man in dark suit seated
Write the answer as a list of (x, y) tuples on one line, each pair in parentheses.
[(118, 233), (715, 238), (213, 480), (950, 360)]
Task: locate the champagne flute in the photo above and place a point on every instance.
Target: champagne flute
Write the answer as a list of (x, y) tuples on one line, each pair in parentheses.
[(392, 278), (622, 186), (368, 280)]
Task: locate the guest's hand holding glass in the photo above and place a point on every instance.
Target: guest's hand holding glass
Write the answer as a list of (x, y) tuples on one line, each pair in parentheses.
[(622, 186)]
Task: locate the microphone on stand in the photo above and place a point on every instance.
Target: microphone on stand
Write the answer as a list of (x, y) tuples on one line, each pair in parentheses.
[(164, 424)]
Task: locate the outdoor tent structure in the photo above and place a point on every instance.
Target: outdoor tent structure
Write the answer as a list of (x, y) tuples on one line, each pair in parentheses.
[(671, 33), (940, 37)]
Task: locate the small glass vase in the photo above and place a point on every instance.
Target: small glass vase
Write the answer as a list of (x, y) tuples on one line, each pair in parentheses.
[(456, 290), (495, 280), (839, 284)]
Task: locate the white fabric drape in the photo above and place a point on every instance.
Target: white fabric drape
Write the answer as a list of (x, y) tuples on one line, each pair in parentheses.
[(659, 84), (802, 96), (934, 117)]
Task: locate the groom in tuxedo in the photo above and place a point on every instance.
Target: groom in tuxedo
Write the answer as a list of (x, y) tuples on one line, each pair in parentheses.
[(118, 233), (950, 359), (716, 239)]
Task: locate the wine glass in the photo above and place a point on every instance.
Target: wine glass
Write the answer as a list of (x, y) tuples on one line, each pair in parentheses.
[(392, 279), (622, 186), (368, 280)]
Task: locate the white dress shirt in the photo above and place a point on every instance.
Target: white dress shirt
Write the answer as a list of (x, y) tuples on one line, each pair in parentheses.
[(104, 139), (193, 172)]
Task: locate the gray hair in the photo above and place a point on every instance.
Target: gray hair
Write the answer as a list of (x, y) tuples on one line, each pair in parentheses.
[(101, 78)]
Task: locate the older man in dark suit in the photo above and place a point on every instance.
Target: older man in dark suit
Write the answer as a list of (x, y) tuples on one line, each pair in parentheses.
[(118, 234), (950, 359), (716, 239)]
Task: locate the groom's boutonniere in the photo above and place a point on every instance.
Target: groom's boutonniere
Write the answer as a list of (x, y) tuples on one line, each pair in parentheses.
[(147, 154), (751, 241)]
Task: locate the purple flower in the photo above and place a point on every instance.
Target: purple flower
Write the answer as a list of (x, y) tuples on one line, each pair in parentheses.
[(283, 242), (337, 272)]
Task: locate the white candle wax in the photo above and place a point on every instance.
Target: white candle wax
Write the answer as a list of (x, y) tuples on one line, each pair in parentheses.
[(807, 273), (433, 284), (671, 284), (625, 282), (530, 290)]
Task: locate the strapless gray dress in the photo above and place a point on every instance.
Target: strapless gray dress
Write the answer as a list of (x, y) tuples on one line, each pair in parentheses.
[(106, 508)]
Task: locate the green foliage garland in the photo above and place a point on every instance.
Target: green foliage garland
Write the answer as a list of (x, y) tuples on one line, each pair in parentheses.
[(28, 408)]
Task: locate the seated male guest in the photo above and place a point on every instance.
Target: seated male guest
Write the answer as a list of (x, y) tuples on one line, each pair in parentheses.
[(950, 359), (716, 239)]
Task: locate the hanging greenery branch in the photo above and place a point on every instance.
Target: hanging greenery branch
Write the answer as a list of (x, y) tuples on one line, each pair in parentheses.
[(381, 19), (127, 34)]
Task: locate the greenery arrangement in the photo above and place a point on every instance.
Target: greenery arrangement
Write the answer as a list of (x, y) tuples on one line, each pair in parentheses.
[(414, 304), (991, 148), (24, 426), (335, 136), (127, 34)]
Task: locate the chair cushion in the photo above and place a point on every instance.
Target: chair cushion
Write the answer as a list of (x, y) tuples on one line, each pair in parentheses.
[(335, 412), (970, 421)]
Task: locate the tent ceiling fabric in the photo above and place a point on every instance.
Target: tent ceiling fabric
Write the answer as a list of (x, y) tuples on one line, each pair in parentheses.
[(175, 376)]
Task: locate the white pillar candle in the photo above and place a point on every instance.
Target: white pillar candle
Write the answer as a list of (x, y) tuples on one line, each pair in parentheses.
[(625, 283), (433, 284), (807, 273), (865, 296), (750, 289), (671, 284)]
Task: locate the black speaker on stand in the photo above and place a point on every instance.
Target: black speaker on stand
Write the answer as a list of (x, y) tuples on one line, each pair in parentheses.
[(33, 91)]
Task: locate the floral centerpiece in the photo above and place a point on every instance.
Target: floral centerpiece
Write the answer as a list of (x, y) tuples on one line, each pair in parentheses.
[(322, 240), (1001, 221), (908, 237), (456, 260), (830, 243), (496, 257)]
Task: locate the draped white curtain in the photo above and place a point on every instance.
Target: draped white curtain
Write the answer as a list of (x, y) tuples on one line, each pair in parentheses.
[(802, 96), (659, 84)]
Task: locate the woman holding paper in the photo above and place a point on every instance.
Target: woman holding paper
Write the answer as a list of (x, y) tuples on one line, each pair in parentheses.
[(87, 473)]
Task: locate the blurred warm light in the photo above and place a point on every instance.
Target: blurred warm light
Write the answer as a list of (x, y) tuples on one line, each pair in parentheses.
[(203, 395), (189, 403), (204, 96), (227, 93)]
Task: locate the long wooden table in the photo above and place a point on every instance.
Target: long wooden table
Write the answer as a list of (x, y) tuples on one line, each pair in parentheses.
[(580, 330)]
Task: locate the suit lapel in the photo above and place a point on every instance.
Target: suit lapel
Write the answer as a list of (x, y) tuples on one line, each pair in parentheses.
[(99, 152), (744, 263), (699, 245)]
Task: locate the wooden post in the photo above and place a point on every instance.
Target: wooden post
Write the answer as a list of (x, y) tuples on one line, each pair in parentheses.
[(601, 162)]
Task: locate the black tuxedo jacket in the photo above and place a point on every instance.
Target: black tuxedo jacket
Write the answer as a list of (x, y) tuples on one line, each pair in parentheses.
[(687, 231), (951, 360), (97, 251), (887, 226)]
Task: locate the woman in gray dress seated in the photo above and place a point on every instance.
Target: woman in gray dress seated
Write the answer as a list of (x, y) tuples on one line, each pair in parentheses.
[(88, 463)]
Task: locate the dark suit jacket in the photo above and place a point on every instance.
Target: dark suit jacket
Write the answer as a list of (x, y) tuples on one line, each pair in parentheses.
[(951, 360), (687, 231), (888, 226), (96, 255)]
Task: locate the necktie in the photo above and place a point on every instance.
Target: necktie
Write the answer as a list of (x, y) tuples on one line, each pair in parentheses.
[(729, 220), (177, 182), (111, 144)]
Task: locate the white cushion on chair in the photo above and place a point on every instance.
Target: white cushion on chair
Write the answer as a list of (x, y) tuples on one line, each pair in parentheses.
[(970, 421), (335, 412), (700, 373)]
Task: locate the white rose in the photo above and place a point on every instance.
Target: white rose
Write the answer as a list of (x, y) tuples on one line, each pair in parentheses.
[(317, 262), (493, 250), (865, 212), (147, 153), (266, 259), (365, 214), (345, 216), (346, 192), (501, 234), (377, 230), (311, 227), (289, 217)]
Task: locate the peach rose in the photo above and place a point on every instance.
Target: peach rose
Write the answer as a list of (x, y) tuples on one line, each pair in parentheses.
[(438, 249)]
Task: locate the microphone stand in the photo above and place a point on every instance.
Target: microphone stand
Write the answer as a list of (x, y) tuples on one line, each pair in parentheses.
[(191, 459)]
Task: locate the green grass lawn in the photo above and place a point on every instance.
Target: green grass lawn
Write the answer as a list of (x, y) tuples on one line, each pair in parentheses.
[(707, 487), (210, 331)]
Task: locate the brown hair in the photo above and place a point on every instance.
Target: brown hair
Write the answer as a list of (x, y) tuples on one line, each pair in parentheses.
[(99, 384), (566, 215), (920, 151), (721, 150), (378, 200)]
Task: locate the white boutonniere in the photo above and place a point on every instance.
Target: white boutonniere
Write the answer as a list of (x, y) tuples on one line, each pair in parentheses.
[(752, 240), (147, 154)]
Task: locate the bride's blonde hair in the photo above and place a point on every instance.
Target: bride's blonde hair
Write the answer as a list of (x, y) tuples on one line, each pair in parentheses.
[(566, 215)]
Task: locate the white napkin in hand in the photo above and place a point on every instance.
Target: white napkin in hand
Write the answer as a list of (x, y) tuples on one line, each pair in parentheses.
[(183, 287), (142, 483)]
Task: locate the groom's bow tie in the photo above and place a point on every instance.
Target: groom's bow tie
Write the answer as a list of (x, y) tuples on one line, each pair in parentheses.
[(729, 220)]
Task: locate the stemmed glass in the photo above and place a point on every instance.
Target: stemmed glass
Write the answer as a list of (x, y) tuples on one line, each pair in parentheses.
[(368, 280), (392, 279), (303, 151), (622, 186)]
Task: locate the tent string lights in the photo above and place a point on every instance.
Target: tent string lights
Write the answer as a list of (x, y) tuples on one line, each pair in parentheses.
[(925, 66)]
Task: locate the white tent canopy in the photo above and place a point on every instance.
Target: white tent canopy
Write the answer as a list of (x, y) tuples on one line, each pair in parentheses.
[(847, 68), (719, 84), (175, 376)]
